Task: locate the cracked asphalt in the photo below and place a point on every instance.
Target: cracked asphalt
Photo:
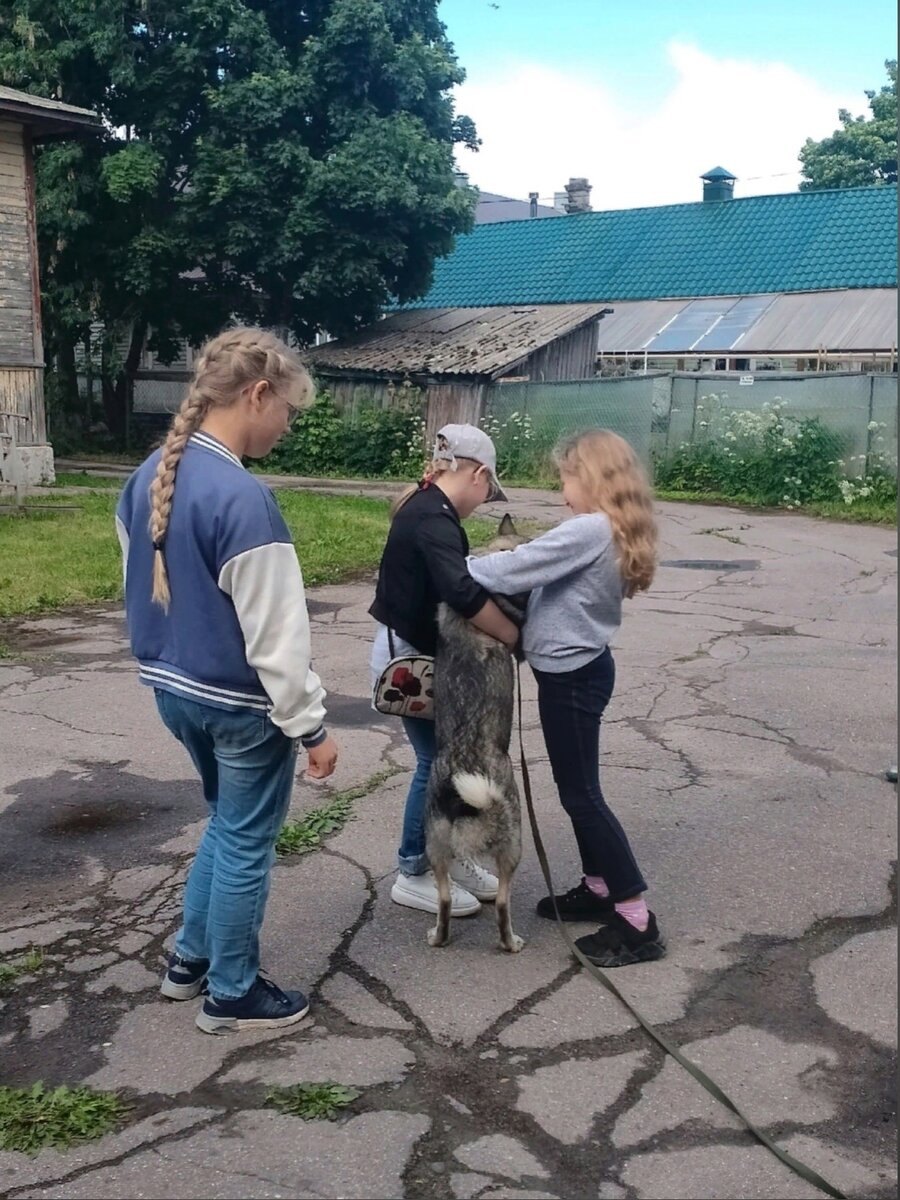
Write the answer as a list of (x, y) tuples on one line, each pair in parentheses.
[(744, 751)]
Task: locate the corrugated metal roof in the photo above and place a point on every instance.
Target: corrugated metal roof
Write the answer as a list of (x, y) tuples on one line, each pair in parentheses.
[(851, 319), (454, 341), (861, 319), (793, 242)]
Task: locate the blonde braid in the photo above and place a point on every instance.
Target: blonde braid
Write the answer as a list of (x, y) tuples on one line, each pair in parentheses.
[(187, 421), (228, 363)]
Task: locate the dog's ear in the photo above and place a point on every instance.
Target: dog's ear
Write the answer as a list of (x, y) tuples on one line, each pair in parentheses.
[(507, 527)]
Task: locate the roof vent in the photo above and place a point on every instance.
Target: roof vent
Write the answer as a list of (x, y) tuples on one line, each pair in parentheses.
[(718, 184)]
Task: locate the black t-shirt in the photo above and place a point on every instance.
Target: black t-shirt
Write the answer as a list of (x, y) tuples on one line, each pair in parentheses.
[(424, 564)]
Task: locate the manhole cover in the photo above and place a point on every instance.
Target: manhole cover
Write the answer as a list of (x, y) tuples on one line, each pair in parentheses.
[(714, 564)]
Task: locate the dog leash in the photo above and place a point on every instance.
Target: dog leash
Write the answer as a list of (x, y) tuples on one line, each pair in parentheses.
[(670, 1048)]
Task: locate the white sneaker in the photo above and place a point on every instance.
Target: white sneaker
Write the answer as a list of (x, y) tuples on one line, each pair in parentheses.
[(474, 878), (420, 891)]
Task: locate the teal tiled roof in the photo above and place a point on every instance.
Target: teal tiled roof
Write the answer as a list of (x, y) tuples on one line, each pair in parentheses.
[(793, 242)]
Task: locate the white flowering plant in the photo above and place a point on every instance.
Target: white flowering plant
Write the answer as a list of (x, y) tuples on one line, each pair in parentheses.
[(772, 456), (523, 450)]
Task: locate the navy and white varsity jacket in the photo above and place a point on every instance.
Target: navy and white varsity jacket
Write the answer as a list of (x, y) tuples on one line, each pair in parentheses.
[(237, 631)]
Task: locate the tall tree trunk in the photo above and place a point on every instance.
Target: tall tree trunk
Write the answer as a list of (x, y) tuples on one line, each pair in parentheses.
[(66, 372), (117, 382)]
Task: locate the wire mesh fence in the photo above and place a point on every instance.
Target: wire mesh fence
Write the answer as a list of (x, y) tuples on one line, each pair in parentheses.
[(526, 420), (849, 420)]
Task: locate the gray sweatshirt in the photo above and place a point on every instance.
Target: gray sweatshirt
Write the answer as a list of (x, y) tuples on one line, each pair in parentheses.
[(572, 573)]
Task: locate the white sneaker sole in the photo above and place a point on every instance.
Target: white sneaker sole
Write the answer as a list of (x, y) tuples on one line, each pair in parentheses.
[(181, 991), (211, 1024), (408, 899)]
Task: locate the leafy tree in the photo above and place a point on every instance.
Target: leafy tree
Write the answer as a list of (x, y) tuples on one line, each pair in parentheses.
[(863, 151), (286, 163)]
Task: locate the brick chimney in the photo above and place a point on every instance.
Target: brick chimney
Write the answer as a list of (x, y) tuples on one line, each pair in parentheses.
[(578, 192)]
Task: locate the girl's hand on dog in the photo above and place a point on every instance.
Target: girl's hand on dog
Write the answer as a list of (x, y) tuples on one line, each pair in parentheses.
[(322, 759)]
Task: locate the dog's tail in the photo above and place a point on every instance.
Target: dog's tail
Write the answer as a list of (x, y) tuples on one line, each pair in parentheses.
[(478, 791)]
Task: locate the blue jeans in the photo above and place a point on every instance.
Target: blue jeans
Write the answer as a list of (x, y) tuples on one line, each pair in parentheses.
[(246, 765), (571, 705), (411, 858)]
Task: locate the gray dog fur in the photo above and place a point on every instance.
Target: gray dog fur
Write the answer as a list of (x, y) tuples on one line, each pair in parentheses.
[(473, 807)]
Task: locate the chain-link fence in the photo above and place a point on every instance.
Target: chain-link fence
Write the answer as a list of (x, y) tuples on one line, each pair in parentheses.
[(526, 420), (853, 416), (157, 392), (858, 411)]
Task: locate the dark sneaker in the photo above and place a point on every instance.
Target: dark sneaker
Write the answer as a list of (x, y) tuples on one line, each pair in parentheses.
[(184, 980), (578, 904), (264, 1007), (619, 944)]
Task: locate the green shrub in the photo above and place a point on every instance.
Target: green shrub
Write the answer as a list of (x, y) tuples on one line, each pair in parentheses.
[(369, 442), (770, 457), (524, 450)]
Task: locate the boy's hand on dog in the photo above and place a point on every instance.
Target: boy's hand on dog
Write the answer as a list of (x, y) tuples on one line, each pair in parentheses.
[(322, 759)]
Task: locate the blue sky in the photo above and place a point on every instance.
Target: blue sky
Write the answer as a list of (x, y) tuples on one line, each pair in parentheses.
[(586, 79)]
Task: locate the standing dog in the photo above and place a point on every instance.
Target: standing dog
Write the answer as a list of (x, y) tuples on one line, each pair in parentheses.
[(472, 808)]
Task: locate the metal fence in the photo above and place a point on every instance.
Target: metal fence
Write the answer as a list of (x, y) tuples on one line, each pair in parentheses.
[(858, 409), (660, 413), (527, 419)]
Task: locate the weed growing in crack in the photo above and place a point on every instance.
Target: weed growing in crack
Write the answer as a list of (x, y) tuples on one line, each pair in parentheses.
[(308, 832), (312, 1101), (34, 1118), (13, 968)]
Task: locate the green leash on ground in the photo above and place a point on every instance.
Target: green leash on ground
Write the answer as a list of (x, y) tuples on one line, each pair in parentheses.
[(670, 1048)]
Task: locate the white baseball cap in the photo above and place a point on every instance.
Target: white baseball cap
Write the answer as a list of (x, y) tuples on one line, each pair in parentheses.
[(467, 441)]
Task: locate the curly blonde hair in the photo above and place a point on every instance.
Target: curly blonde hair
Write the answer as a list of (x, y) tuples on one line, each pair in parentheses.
[(225, 365), (615, 483)]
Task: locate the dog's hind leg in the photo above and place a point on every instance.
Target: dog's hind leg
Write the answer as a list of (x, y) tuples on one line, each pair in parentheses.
[(440, 934), (508, 940)]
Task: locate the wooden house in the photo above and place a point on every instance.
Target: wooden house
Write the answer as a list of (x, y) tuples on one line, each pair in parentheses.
[(25, 454)]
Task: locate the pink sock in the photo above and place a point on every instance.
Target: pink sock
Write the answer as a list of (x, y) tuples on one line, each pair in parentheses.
[(597, 884), (635, 912)]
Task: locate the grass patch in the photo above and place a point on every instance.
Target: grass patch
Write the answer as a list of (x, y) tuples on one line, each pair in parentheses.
[(861, 512), (85, 479), (14, 967), (34, 1118), (52, 559), (307, 832), (312, 1101), (49, 560)]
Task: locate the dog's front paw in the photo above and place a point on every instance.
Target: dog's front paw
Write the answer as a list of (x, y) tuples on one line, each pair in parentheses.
[(434, 937), (515, 944)]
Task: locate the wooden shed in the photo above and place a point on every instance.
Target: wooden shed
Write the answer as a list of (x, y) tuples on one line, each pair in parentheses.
[(453, 354), (24, 120)]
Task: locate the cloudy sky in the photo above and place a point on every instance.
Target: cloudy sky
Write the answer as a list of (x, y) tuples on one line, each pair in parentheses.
[(643, 96)]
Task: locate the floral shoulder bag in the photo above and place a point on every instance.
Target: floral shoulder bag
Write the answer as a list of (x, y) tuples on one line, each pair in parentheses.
[(405, 687)]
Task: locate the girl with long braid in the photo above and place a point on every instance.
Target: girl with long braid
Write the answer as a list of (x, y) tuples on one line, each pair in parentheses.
[(218, 622)]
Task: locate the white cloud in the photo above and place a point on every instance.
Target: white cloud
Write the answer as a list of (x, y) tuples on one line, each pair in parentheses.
[(539, 126)]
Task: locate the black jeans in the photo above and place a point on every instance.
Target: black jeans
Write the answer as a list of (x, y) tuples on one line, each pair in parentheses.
[(571, 705)]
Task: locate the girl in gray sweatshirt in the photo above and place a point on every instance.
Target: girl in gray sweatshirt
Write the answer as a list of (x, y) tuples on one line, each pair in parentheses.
[(577, 575)]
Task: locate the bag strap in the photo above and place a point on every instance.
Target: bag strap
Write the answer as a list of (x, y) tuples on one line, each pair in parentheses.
[(390, 632), (601, 977)]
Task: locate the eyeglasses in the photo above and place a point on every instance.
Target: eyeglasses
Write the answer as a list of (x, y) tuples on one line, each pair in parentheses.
[(294, 412)]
